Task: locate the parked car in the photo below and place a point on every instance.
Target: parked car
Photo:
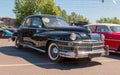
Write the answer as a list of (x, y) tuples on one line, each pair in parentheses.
[(11, 28), (4, 32), (111, 33), (54, 36)]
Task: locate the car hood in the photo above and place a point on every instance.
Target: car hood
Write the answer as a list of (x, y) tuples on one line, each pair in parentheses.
[(70, 29)]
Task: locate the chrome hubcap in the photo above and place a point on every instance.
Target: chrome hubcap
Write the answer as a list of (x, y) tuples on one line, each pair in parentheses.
[(17, 42), (55, 50)]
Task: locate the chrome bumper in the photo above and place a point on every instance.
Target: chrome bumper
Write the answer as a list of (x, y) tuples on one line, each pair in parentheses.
[(84, 54), (82, 49)]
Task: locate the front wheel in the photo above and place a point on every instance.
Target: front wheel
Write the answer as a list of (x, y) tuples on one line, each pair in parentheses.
[(17, 44), (53, 52)]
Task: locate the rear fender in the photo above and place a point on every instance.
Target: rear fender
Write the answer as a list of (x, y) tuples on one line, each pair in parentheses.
[(16, 35)]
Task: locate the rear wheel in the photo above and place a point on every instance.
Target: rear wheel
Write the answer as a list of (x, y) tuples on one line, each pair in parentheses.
[(17, 44), (2, 34), (53, 52)]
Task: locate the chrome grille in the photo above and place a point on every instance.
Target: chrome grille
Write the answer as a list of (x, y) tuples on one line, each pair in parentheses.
[(81, 46), (89, 46)]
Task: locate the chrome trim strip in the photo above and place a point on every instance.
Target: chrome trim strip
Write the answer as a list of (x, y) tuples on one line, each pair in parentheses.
[(37, 43), (78, 41), (34, 48), (112, 40), (40, 28), (82, 46)]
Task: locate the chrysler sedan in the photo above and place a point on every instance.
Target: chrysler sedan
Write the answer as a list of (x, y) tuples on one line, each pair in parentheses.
[(53, 35)]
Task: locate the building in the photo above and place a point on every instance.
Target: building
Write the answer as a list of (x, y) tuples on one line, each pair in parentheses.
[(8, 21)]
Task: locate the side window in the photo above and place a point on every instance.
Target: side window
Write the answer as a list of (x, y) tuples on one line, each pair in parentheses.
[(28, 22), (102, 29), (36, 22)]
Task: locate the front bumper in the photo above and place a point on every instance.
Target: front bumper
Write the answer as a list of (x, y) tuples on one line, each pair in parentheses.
[(84, 49), (83, 54)]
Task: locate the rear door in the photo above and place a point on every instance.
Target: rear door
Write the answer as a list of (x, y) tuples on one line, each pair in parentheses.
[(24, 28), (35, 27)]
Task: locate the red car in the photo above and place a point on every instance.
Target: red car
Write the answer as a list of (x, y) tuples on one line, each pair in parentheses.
[(111, 33)]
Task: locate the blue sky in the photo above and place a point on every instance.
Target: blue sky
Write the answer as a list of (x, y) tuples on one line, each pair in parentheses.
[(91, 9)]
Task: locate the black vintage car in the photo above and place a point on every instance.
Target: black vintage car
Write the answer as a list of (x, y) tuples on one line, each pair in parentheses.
[(53, 35)]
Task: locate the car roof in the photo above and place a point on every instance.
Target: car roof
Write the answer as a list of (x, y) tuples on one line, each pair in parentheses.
[(44, 15), (103, 24)]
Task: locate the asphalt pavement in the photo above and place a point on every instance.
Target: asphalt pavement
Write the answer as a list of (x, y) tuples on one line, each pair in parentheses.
[(30, 62)]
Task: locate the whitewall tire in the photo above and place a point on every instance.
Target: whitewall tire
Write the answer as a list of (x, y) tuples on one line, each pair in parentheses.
[(53, 52)]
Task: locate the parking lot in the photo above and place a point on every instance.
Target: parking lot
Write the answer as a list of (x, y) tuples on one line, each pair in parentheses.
[(30, 62)]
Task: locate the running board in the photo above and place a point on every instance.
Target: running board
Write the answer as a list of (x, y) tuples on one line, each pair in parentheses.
[(34, 48)]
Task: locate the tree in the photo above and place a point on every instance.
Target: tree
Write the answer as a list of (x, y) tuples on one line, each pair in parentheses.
[(114, 20), (81, 18), (50, 8), (63, 14), (77, 19), (72, 17), (24, 8)]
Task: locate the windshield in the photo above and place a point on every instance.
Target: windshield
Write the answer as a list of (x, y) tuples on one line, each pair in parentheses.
[(54, 22), (115, 28)]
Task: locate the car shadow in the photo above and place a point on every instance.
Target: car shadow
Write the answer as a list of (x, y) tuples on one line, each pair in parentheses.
[(41, 59), (114, 55)]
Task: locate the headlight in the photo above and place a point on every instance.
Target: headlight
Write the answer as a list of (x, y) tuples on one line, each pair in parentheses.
[(102, 37), (73, 36)]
